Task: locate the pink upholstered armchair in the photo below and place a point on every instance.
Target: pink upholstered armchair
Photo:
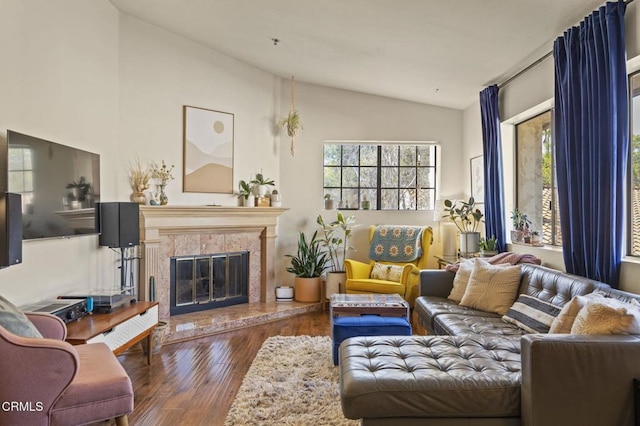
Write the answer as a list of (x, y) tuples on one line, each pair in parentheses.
[(50, 382)]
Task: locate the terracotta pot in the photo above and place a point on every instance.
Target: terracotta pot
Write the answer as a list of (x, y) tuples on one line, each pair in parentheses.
[(307, 289)]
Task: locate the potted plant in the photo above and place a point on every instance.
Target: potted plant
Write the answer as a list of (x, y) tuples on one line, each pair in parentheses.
[(262, 183), (488, 246), (291, 123), (536, 238), (80, 190), (275, 198), (308, 265), (521, 224), (467, 218), (140, 178), (246, 194), (335, 239)]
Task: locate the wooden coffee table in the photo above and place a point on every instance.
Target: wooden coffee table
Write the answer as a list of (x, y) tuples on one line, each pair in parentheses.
[(388, 305)]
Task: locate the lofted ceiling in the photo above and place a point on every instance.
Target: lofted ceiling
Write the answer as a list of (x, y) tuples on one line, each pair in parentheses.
[(440, 52)]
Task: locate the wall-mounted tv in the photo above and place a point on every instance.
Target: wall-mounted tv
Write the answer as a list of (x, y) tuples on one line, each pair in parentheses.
[(59, 186)]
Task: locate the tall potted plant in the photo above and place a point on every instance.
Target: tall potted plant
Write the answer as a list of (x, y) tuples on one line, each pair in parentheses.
[(467, 218), (335, 239), (308, 265)]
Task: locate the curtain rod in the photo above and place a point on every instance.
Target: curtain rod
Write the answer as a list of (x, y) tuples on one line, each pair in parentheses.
[(535, 63)]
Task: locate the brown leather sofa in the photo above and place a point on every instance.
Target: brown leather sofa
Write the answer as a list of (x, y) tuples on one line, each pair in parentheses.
[(476, 369)]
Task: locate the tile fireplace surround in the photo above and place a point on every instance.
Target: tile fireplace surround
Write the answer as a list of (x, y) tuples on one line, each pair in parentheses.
[(167, 231)]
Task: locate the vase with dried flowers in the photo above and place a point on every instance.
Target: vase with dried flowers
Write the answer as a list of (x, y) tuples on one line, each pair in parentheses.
[(164, 174), (140, 177)]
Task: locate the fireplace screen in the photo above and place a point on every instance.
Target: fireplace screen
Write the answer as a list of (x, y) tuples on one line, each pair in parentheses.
[(208, 281)]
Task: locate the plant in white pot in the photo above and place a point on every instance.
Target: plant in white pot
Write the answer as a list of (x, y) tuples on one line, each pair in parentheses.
[(467, 218), (262, 184), (308, 264), (335, 240), (246, 194), (521, 224), (488, 246), (276, 201)]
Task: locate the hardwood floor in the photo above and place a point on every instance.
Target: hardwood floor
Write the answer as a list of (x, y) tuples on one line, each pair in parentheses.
[(194, 382)]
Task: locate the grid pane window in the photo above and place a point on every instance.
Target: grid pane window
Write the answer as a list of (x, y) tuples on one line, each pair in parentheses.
[(21, 174), (390, 176)]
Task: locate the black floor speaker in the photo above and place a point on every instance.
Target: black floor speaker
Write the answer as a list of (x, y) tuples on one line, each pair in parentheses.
[(10, 229), (118, 224)]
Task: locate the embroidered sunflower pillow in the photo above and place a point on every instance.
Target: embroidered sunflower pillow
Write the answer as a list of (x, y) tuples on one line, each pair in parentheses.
[(381, 271)]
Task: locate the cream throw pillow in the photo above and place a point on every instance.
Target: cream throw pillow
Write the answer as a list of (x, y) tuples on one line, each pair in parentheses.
[(461, 280), (492, 288), (598, 318), (381, 271), (564, 322)]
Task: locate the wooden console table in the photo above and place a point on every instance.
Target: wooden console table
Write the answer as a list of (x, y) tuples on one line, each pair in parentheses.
[(120, 329)]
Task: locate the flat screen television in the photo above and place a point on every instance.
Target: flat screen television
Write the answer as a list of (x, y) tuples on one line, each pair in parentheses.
[(59, 186)]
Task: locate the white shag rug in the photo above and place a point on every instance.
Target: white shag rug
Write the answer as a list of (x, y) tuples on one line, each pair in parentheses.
[(292, 381)]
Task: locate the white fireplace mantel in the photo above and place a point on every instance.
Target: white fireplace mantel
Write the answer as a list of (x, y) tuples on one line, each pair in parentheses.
[(157, 221)]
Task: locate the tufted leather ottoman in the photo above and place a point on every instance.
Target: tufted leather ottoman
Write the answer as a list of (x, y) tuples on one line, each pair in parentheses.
[(430, 376), (343, 328)]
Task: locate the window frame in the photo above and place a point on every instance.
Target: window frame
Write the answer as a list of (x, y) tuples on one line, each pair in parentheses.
[(556, 239), (379, 167)]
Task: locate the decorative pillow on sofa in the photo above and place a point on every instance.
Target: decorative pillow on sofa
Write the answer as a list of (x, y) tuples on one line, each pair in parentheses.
[(15, 321), (461, 280), (532, 314), (492, 288), (564, 322), (381, 271), (598, 318)]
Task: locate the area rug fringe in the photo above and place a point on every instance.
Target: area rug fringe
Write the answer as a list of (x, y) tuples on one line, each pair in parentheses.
[(292, 381)]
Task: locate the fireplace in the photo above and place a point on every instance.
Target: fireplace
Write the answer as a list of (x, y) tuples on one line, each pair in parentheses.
[(209, 281), (178, 231)]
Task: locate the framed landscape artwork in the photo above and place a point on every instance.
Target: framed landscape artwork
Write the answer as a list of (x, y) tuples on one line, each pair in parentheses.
[(208, 150), (477, 179)]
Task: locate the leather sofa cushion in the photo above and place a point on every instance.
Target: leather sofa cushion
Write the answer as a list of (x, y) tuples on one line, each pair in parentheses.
[(462, 325), (555, 286), (429, 307), (430, 376)]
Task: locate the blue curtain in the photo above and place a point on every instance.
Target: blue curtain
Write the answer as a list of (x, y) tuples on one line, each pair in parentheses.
[(591, 134), (492, 151)]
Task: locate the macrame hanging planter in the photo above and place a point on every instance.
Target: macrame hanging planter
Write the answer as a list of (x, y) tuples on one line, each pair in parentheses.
[(291, 123)]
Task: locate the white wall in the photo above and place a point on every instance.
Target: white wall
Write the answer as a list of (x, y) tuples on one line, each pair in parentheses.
[(59, 80), (159, 73), (522, 98), (330, 114)]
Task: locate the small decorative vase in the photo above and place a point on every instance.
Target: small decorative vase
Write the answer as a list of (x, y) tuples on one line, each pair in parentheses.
[(139, 197), (329, 204), (164, 200)]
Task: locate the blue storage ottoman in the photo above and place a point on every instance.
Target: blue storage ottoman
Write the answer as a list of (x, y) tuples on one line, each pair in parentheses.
[(366, 325)]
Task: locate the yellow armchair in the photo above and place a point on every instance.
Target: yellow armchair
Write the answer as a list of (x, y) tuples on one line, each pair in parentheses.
[(359, 278)]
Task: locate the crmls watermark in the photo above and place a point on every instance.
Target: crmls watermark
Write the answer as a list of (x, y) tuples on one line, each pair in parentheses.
[(21, 406)]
